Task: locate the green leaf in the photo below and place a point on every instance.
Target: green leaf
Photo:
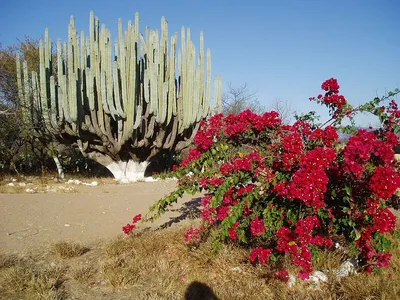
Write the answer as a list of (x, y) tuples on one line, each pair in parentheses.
[(348, 190)]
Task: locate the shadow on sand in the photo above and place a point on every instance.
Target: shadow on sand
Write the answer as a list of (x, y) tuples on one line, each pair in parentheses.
[(189, 210)]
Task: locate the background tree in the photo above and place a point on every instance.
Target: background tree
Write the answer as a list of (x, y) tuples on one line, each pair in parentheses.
[(11, 131), (23, 146), (239, 98), (284, 109), (311, 117)]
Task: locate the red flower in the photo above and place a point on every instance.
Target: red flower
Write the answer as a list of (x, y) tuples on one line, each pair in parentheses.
[(226, 168), (384, 220), (257, 226), (232, 231), (193, 234), (222, 212), (137, 218), (260, 253), (128, 228), (384, 182), (283, 275), (331, 85), (193, 155)]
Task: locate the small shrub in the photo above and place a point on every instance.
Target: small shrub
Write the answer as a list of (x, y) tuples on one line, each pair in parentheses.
[(68, 250)]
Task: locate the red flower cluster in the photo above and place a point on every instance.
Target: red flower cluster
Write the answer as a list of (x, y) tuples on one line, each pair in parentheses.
[(372, 257), (296, 243), (208, 214), (226, 168), (283, 275), (128, 228), (384, 182), (364, 146), (257, 226), (222, 212), (193, 155), (393, 116), (332, 98), (213, 181), (384, 221), (260, 253), (318, 158), (331, 86), (308, 186), (232, 231), (194, 234), (233, 126), (326, 137)]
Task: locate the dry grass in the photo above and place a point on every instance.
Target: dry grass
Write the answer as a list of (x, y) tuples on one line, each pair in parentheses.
[(83, 273), (158, 265), (68, 250), (23, 279)]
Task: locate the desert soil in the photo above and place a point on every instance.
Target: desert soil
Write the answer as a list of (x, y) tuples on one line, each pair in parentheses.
[(29, 221)]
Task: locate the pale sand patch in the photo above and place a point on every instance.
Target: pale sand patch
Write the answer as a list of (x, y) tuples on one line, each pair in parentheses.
[(29, 221)]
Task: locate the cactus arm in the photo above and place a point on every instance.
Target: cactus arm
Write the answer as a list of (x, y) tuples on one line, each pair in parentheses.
[(122, 64), (36, 98), (208, 83), (171, 81), (117, 93), (43, 87), (101, 72), (19, 80), (217, 105), (27, 94), (203, 113), (53, 107)]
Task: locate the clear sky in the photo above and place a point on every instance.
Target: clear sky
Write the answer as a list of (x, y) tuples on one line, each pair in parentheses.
[(283, 49)]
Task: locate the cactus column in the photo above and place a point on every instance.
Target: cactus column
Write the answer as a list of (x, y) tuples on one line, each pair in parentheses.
[(122, 102)]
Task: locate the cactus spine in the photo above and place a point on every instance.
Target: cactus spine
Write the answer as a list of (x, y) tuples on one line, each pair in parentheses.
[(122, 100)]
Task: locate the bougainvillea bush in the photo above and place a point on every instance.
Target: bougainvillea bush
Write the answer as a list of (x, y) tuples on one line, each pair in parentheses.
[(288, 190)]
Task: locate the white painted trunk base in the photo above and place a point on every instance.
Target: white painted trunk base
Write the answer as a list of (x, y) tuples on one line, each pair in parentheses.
[(128, 171), (60, 169)]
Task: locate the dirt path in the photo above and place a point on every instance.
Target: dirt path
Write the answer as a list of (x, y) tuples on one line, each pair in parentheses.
[(28, 221)]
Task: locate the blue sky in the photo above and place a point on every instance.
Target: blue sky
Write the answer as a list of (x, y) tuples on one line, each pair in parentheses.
[(282, 49)]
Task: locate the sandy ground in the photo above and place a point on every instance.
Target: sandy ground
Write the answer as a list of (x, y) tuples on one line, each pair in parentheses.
[(29, 221)]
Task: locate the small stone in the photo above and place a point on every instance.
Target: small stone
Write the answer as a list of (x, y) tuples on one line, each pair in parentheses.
[(10, 184), (347, 268), (292, 281), (67, 225), (318, 276)]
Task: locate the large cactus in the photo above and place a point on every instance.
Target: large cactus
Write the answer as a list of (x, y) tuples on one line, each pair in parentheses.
[(121, 103)]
